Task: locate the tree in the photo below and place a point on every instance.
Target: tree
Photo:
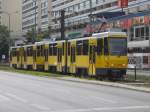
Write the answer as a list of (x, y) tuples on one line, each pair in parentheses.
[(30, 36), (4, 41)]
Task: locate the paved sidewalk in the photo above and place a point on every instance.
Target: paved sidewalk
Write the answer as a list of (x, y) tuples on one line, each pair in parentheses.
[(139, 72), (105, 83)]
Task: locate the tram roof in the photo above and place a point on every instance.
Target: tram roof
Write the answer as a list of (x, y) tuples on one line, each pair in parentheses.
[(51, 42), (14, 47), (102, 35)]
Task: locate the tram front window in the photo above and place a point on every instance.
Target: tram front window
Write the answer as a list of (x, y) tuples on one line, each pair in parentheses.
[(118, 46)]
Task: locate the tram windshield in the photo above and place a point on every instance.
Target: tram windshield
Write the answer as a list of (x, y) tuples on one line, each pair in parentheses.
[(118, 46)]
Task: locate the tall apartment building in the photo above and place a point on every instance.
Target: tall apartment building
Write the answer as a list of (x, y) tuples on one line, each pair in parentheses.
[(0, 10), (77, 11), (35, 12), (12, 9)]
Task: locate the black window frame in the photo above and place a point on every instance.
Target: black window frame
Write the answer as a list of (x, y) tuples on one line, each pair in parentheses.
[(85, 47), (100, 45), (106, 50), (79, 48)]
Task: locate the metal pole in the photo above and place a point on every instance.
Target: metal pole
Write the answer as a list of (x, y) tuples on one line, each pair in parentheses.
[(9, 22), (62, 30), (66, 55), (135, 71), (34, 38), (35, 24), (9, 31), (49, 32), (91, 15), (91, 11)]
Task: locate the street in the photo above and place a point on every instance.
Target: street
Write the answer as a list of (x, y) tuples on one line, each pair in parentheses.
[(26, 93)]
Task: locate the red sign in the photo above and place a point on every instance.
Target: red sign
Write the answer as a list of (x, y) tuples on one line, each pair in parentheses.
[(123, 3), (146, 20), (126, 23), (89, 29)]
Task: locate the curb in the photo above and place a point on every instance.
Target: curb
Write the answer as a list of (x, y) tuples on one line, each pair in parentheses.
[(117, 85)]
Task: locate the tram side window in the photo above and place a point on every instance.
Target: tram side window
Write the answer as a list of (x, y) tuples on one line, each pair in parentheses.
[(50, 50), (100, 46), (29, 51), (41, 51), (10, 55), (38, 50), (25, 54), (79, 47), (63, 48), (85, 47), (105, 46), (17, 55), (54, 50), (14, 53), (59, 54), (68, 49), (34, 54)]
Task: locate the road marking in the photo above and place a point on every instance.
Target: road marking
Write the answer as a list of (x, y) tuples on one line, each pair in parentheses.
[(16, 97), (41, 107), (4, 98), (105, 109)]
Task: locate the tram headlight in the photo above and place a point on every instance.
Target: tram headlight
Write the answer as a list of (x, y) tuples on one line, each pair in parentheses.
[(112, 65), (123, 64)]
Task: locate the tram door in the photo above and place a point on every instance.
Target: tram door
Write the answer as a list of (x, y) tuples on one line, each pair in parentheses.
[(59, 59), (92, 59), (72, 60)]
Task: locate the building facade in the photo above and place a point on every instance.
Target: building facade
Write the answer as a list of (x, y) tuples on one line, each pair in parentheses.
[(77, 11), (35, 13), (0, 10), (11, 9)]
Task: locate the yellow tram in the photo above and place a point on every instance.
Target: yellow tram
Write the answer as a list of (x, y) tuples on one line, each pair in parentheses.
[(101, 55)]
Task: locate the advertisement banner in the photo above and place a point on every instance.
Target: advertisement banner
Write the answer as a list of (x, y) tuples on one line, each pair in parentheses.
[(123, 3), (126, 23), (146, 20)]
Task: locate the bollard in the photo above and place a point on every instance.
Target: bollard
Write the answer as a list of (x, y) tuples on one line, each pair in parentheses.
[(135, 71)]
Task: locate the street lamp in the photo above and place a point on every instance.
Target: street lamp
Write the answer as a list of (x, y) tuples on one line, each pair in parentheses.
[(34, 38)]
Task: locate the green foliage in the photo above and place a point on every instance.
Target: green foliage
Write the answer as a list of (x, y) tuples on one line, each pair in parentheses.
[(45, 34), (4, 41), (31, 34)]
